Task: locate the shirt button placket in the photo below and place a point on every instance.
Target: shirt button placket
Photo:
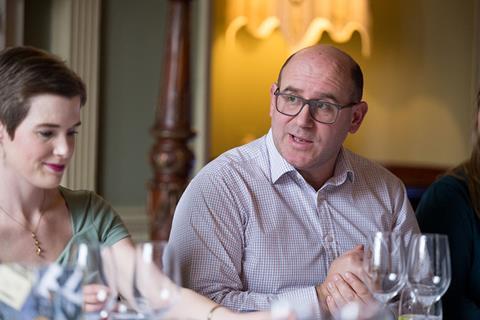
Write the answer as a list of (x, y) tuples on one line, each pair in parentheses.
[(327, 232)]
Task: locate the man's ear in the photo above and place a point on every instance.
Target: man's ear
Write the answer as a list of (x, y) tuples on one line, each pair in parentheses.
[(358, 114), (273, 88)]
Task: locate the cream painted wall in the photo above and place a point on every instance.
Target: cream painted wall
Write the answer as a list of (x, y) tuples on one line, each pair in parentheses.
[(419, 82)]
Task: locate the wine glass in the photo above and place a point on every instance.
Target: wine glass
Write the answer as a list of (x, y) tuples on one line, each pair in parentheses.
[(156, 279), (384, 265), (429, 272), (98, 283), (410, 308)]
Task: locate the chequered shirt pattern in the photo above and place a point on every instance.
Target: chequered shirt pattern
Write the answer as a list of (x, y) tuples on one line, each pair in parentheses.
[(249, 230)]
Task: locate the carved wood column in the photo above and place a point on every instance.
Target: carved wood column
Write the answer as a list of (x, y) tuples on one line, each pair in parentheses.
[(170, 156)]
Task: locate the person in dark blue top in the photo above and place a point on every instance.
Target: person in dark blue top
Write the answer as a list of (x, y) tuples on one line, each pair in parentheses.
[(451, 206)]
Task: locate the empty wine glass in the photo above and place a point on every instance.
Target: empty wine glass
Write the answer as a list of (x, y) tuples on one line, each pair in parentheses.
[(156, 279), (384, 265), (98, 283), (429, 272)]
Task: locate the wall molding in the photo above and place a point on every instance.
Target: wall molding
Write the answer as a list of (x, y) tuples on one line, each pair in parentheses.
[(201, 83), (136, 221), (11, 22), (76, 37)]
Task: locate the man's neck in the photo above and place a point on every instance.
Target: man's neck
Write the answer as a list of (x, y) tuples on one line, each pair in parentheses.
[(317, 178)]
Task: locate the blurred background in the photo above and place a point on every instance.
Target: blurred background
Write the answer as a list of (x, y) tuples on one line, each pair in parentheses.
[(421, 76)]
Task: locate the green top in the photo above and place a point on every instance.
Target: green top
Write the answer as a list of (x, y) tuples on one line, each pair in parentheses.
[(446, 208), (93, 220)]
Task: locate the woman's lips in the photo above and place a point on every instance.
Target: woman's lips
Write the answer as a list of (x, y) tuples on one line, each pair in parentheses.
[(56, 167)]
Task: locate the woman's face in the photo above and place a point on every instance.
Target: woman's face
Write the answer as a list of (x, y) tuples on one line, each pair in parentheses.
[(44, 141)]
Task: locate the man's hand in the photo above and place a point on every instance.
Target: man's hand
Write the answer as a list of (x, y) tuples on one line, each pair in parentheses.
[(346, 289), (344, 282)]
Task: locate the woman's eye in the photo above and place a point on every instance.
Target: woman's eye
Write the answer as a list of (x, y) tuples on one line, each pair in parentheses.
[(46, 134), (73, 133)]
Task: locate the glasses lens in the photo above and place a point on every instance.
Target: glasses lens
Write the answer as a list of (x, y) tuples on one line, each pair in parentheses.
[(324, 112), (289, 104)]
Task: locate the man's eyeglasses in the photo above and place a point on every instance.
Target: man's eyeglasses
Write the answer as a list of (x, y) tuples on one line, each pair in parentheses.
[(321, 111)]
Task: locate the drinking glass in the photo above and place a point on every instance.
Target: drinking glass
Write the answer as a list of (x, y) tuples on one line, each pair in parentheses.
[(98, 284), (46, 292), (411, 309), (429, 272), (156, 279), (384, 265)]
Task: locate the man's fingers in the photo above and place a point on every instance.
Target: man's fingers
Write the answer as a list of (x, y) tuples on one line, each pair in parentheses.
[(356, 249), (332, 306), (357, 285), (339, 290)]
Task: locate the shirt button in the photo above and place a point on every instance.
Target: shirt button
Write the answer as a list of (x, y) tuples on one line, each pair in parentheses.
[(328, 238)]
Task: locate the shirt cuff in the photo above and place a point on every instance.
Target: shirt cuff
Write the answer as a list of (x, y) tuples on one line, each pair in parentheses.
[(302, 302)]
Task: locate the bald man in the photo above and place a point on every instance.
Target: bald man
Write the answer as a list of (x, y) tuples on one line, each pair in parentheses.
[(286, 216)]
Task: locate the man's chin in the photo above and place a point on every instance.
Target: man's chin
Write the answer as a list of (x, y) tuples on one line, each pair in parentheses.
[(299, 164)]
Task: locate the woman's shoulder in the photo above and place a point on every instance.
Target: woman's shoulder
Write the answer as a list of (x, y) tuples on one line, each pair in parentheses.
[(446, 195), (448, 184), (83, 201), (80, 194)]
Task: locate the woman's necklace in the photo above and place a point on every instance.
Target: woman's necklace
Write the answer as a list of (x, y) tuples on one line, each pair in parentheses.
[(36, 242)]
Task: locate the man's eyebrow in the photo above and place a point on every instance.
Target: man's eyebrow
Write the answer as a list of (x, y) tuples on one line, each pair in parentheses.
[(292, 90), (320, 96)]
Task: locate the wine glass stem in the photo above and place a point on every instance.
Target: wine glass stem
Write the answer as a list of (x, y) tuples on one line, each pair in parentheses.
[(429, 307)]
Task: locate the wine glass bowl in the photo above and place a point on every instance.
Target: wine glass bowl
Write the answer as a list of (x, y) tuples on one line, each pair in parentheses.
[(429, 273), (98, 283), (410, 308), (384, 265), (156, 279)]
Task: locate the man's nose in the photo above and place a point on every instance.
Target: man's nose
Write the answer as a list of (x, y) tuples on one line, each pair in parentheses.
[(304, 118)]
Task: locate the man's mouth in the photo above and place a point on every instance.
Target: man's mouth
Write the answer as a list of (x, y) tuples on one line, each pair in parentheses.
[(299, 140)]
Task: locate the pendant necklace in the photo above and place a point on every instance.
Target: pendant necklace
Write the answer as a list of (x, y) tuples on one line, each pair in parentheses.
[(36, 242)]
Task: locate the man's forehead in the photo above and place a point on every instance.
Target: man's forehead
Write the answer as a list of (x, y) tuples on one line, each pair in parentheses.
[(313, 67)]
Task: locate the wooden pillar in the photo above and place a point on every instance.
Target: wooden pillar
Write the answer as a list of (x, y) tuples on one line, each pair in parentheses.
[(170, 156)]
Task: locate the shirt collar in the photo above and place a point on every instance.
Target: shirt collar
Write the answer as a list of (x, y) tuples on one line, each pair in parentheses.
[(343, 169), (279, 166)]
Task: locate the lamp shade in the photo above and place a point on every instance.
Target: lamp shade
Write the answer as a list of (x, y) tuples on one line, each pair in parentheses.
[(301, 22)]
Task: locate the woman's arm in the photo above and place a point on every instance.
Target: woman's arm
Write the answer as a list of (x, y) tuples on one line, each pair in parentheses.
[(190, 304)]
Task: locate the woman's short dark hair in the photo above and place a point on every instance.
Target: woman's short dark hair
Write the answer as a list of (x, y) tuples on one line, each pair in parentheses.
[(26, 72)]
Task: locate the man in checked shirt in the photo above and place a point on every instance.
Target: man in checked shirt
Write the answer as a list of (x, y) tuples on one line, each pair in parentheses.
[(285, 216)]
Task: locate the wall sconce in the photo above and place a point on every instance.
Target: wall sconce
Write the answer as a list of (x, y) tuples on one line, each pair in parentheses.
[(301, 22)]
